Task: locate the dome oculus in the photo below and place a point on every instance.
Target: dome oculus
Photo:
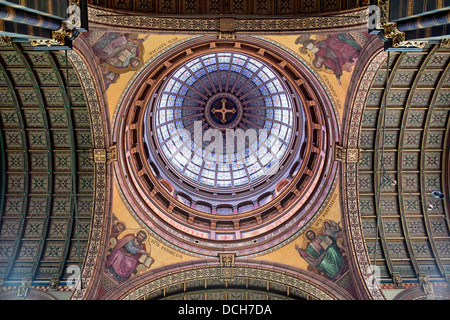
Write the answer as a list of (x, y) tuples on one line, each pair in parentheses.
[(208, 97)]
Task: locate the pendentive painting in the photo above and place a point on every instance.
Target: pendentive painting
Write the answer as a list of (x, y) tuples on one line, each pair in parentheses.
[(128, 254), (323, 250)]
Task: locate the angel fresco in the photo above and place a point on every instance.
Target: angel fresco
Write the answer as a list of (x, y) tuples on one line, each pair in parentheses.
[(333, 53), (324, 251), (128, 255), (117, 53)]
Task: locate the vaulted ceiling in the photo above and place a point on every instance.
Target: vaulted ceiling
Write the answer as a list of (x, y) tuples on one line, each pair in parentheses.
[(413, 229), (47, 177)]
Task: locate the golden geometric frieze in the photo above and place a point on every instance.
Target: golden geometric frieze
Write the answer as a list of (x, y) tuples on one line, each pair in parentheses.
[(226, 24), (227, 264), (346, 155), (104, 155)]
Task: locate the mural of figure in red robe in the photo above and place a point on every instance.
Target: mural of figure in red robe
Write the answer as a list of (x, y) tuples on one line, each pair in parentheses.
[(126, 255), (334, 53)]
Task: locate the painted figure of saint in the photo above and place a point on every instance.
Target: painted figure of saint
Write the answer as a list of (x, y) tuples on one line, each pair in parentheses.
[(338, 53), (331, 229), (334, 53), (323, 254), (118, 53), (126, 255)]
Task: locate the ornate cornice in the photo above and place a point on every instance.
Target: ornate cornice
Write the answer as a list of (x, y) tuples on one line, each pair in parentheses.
[(58, 37), (107, 18)]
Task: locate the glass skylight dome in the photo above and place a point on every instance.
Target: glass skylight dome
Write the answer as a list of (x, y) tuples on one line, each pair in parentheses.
[(223, 91)]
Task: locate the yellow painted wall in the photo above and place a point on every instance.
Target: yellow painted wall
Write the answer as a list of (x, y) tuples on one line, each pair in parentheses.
[(153, 45)]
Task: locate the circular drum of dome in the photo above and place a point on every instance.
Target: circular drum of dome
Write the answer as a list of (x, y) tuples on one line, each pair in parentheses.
[(225, 146)]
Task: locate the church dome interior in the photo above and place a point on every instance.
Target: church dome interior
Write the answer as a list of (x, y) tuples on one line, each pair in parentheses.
[(226, 192), (224, 150)]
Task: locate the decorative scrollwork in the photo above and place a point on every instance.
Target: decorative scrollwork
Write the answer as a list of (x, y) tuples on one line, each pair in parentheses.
[(390, 29)]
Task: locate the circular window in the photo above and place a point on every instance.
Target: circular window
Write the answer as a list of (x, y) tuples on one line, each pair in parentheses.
[(223, 120)]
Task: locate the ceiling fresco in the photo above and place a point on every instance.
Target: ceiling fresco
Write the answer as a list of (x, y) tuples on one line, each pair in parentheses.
[(93, 179), (299, 253)]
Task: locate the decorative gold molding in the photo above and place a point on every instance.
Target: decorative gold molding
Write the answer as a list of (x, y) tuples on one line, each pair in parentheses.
[(384, 14), (227, 264), (23, 290), (391, 32), (212, 25), (319, 289), (415, 44), (54, 282), (104, 155), (398, 38), (102, 191), (351, 210), (112, 154), (397, 280), (390, 29), (226, 36), (227, 259), (5, 41), (98, 155), (445, 43), (353, 155), (58, 37), (340, 154), (346, 155)]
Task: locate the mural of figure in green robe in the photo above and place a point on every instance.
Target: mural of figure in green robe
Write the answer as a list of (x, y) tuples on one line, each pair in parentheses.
[(323, 253)]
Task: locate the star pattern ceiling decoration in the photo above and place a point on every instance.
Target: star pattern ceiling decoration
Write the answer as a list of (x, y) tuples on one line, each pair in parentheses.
[(45, 154), (414, 233)]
